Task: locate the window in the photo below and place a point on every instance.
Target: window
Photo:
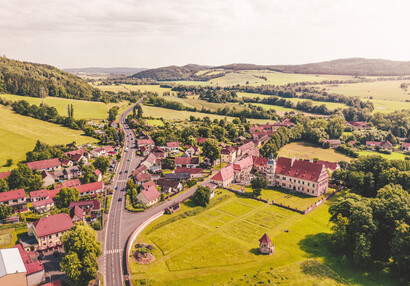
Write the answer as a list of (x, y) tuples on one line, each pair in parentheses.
[(49, 236), (44, 238)]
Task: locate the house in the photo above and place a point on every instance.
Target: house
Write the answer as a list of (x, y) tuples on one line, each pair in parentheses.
[(212, 188), (188, 162), (71, 173), (298, 175), (331, 166), (384, 145), (48, 178), (88, 207), (191, 151), (239, 139), (193, 172), (35, 274), (145, 151), (405, 147), (172, 147), (242, 169), (173, 208), (82, 152), (147, 143), (77, 158), (149, 194), (260, 164), (53, 193), (66, 163), (224, 177), (265, 245), (159, 152), (92, 189), (151, 160), (169, 185), (143, 135), (256, 142), (4, 175), (284, 123), (42, 206), (45, 165), (357, 124), (142, 178), (12, 269), (142, 169), (76, 214), (69, 184), (39, 195), (333, 142), (246, 149), (200, 140), (98, 174), (102, 151), (178, 176), (228, 154), (49, 230), (15, 199)]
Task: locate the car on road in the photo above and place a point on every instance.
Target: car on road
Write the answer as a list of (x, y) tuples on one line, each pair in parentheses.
[(120, 172), (116, 188), (126, 171), (120, 199)]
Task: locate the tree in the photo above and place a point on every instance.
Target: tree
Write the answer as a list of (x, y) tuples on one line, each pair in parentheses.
[(4, 186), (82, 248), (139, 111), (66, 196), (23, 177), (201, 196), (102, 163), (5, 211), (211, 150), (168, 163), (256, 192), (335, 127), (9, 162), (112, 113), (259, 182)]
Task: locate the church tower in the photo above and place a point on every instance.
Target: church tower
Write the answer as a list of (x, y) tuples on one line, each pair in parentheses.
[(271, 171)]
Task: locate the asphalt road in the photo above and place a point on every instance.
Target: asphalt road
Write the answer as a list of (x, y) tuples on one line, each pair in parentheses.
[(120, 222)]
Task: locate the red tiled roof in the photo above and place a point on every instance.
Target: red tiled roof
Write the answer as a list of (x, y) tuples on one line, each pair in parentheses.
[(79, 151), (300, 169), (31, 266), (188, 170), (78, 212), (247, 146), (224, 174), (141, 142), (44, 164), (243, 164), (265, 239), (52, 193), (4, 175), (150, 191), (172, 144), (228, 150), (69, 184), (149, 184), (90, 187), (201, 140), (405, 145), (97, 172), (186, 160), (96, 204), (41, 203), (12, 195), (260, 161), (53, 224), (143, 177), (76, 157), (329, 165), (39, 194)]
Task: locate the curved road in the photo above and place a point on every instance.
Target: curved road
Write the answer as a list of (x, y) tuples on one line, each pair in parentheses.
[(121, 223)]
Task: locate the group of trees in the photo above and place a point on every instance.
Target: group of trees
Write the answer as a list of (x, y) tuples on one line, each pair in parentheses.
[(281, 137), (201, 196)]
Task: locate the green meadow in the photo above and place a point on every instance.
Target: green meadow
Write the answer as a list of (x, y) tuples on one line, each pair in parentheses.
[(304, 150), (219, 246), (82, 109), (18, 135)]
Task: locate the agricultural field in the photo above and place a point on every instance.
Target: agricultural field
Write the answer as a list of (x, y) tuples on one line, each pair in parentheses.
[(18, 135), (219, 245), (169, 114), (82, 109), (304, 150)]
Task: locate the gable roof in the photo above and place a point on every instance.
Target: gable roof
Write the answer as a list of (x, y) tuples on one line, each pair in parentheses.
[(95, 204), (201, 140), (44, 164), (228, 150), (173, 144), (405, 145), (243, 164), (329, 165), (142, 142), (150, 192), (76, 211), (69, 184), (12, 195), (299, 169), (260, 161), (247, 146), (82, 151), (188, 170), (39, 194), (224, 174), (265, 239), (53, 224), (143, 177), (41, 203), (90, 187)]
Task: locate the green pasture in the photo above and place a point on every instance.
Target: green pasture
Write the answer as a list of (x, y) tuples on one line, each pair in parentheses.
[(18, 135), (304, 150), (82, 109), (219, 246), (392, 156)]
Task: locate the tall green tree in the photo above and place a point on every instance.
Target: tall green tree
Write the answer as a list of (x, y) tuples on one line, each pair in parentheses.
[(102, 163), (66, 196), (201, 196), (211, 150), (5, 211)]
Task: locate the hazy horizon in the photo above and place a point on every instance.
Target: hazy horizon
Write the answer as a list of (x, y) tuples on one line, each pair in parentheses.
[(149, 34)]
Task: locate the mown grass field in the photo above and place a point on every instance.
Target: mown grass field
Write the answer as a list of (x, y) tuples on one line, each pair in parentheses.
[(392, 156), (18, 135), (304, 150), (219, 246), (82, 109)]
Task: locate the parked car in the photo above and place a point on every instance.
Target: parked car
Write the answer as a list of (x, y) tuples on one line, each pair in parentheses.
[(120, 199)]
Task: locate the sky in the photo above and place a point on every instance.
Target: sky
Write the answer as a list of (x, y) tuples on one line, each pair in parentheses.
[(154, 33)]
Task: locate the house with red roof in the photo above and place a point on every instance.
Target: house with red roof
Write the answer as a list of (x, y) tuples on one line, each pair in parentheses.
[(49, 230), (188, 162), (159, 152), (298, 175), (35, 274), (4, 175), (42, 206), (142, 178), (99, 174), (82, 152), (169, 185), (260, 164), (147, 143), (39, 195), (331, 166), (224, 177), (385, 145), (191, 151), (248, 148), (358, 124), (149, 194), (172, 147), (88, 207), (66, 162), (284, 123), (15, 199), (243, 168), (405, 147), (76, 214), (200, 140), (91, 189), (69, 184), (45, 165), (228, 154), (102, 151), (265, 245)]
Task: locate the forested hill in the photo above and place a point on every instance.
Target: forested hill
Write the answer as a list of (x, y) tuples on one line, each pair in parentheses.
[(187, 72), (25, 78), (352, 66)]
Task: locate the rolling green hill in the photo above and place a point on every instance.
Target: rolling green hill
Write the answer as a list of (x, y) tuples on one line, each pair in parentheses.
[(187, 72), (25, 78)]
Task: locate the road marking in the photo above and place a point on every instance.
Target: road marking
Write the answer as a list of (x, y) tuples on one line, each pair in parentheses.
[(112, 251)]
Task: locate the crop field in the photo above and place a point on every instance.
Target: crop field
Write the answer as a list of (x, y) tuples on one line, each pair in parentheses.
[(303, 150), (18, 135), (82, 109), (169, 114), (219, 245)]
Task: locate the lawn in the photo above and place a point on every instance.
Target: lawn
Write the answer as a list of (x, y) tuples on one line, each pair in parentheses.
[(392, 156), (18, 135), (304, 150), (9, 237), (226, 253), (82, 109)]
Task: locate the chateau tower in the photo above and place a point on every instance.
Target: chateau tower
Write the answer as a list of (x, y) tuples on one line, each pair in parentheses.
[(271, 171), (265, 245)]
